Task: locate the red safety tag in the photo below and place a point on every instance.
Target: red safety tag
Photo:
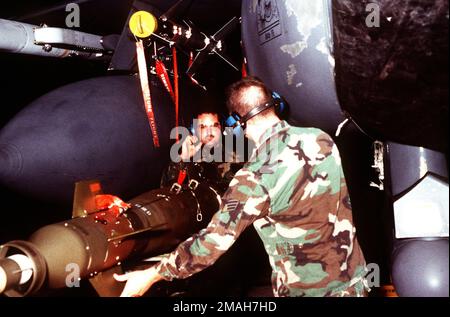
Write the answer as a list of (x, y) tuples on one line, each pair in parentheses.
[(181, 177), (142, 64), (244, 69), (161, 71), (111, 204)]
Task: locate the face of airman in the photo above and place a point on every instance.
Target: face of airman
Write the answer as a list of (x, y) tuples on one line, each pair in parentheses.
[(209, 128)]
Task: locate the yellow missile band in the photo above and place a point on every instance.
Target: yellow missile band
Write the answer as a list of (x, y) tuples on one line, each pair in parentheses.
[(143, 24)]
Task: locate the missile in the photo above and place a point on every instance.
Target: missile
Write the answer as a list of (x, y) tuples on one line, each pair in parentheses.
[(24, 38), (97, 242), (92, 129)]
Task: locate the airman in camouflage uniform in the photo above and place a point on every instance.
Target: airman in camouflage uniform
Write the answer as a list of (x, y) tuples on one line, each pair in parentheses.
[(294, 192), (204, 156)]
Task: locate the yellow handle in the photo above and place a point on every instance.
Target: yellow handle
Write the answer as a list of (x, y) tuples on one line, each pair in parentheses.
[(143, 24)]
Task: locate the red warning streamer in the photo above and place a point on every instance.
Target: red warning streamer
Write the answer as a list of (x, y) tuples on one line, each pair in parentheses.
[(142, 64), (161, 71), (175, 80)]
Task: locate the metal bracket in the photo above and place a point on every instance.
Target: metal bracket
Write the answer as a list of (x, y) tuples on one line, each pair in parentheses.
[(176, 188), (193, 184)]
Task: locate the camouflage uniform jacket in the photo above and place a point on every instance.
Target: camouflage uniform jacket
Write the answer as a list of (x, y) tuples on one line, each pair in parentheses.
[(294, 192)]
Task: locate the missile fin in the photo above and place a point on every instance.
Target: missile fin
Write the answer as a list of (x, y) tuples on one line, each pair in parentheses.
[(84, 198)]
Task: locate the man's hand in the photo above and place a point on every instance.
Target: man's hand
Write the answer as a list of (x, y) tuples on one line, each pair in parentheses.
[(138, 282), (190, 146)]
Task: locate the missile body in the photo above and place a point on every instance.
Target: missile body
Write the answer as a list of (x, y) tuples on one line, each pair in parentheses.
[(157, 222), (23, 38), (92, 129)]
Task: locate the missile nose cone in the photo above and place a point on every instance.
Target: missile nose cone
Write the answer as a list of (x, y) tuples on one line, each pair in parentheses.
[(10, 162)]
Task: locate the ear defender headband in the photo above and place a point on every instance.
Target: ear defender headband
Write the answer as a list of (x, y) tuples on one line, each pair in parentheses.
[(192, 129), (238, 124)]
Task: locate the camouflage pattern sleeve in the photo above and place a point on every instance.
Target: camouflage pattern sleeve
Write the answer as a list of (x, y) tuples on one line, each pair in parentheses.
[(245, 201), (309, 234)]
